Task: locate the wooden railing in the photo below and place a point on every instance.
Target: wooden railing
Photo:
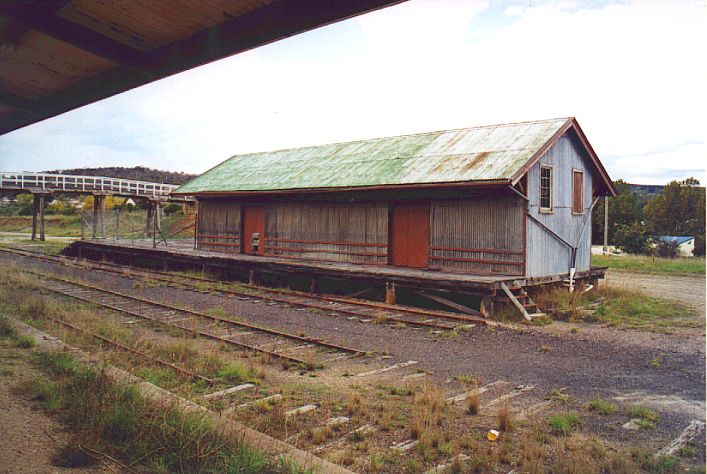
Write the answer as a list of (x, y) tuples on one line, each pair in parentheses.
[(88, 184)]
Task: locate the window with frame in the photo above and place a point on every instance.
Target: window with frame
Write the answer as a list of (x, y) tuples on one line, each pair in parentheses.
[(546, 188), (577, 192)]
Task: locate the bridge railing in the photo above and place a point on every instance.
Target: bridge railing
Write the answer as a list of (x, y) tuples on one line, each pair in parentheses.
[(87, 184)]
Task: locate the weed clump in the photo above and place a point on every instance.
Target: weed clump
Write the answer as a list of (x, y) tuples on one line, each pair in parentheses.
[(25, 342), (558, 394), (116, 420), (647, 417), (564, 423), (428, 407), (505, 418), (601, 406), (473, 402)]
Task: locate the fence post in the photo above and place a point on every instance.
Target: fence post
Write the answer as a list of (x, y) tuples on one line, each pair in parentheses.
[(117, 224)]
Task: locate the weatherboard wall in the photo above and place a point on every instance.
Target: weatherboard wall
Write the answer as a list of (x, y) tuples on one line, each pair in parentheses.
[(340, 232), (546, 254), (483, 234), (219, 226)]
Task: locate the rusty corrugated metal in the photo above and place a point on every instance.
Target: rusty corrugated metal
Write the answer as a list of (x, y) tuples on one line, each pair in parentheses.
[(490, 153)]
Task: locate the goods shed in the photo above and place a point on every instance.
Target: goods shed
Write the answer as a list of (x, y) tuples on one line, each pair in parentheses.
[(511, 201)]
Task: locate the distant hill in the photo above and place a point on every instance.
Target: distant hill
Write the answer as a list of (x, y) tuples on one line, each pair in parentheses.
[(136, 172), (646, 192)]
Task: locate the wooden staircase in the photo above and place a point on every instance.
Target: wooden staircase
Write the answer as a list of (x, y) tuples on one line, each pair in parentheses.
[(521, 300)]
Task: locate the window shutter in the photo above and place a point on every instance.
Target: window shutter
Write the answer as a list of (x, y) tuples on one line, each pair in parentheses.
[(577, 192)]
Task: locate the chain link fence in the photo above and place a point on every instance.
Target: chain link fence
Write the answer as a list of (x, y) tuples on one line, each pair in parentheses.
[(138, 225)]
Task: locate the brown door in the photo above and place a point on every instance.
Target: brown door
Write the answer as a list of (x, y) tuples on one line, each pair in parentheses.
[(254, 223), (410, 236)]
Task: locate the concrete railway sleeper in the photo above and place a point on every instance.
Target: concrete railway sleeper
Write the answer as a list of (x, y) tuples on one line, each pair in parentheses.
[(347, 306), (122, 303)]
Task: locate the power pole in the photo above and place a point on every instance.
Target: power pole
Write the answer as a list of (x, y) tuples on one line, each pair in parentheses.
[(606, 225)]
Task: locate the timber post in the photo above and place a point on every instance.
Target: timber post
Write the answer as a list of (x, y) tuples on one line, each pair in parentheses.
[(98, 204), (117, 224), (487, 308), (148, 224), (41, 217), (35, 206), (606, 225), (389, 293), (38, 199), (314, 286)]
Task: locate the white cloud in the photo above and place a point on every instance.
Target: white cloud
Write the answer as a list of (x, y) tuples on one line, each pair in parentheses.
[(632, 73)]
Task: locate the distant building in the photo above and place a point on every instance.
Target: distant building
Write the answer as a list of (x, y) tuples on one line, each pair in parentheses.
[(686, 244)]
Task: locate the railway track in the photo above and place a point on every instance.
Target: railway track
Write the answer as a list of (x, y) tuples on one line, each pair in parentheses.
[(330, 304), (304, 351)]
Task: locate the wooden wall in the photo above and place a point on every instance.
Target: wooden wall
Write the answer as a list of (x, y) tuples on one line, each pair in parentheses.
[(219, 226), (341, 232), (547, 255), (483, 235)]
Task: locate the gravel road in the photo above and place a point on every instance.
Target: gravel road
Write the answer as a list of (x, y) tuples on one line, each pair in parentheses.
[(687, 289)]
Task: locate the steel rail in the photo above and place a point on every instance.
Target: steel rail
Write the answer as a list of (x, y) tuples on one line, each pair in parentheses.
[(172, 278), (189, 330), (309, 340), (134, 351)]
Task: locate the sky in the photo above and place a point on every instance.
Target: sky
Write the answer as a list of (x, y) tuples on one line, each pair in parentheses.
[(633, 73)]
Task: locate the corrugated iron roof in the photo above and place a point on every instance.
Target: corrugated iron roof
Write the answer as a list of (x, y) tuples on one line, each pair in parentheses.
[(488, 153)]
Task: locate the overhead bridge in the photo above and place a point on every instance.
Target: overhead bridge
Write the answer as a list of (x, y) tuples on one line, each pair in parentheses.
[(98, 185), (43, 184)]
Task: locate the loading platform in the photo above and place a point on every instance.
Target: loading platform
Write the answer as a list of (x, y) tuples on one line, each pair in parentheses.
[(182, 255)]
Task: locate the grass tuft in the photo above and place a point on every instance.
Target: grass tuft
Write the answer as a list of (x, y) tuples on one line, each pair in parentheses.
[(25, 342), (505, 418), (601, 406), (564, 423)]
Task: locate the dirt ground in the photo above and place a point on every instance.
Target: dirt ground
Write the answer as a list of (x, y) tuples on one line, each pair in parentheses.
[(30, 437), (594, 361), (686, 289)]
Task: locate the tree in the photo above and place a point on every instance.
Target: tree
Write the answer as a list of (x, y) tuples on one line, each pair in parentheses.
[(632, 238), (679, 210), (111, 202), (624, 210)]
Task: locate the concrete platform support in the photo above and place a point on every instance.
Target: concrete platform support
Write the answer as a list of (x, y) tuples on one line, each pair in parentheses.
[(38, 211)]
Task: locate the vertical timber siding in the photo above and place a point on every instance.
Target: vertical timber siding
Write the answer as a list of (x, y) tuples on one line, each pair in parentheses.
[(546, 254), (338, 232), (219, 226), (484, 235)]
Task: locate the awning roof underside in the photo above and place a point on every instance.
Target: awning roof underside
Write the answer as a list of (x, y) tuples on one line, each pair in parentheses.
[(56, 56)]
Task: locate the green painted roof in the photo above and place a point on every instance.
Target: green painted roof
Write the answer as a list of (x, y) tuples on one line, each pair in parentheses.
[(465, 155)]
